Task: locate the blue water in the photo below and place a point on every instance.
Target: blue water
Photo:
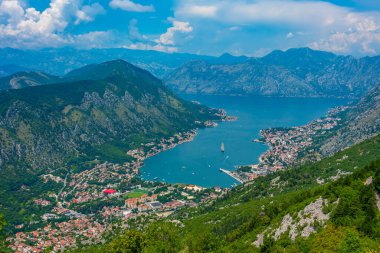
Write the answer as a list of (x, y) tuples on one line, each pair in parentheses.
[(198, 162)]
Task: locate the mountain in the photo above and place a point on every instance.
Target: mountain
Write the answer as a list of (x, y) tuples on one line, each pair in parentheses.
[(59, 61), (26, 79), (101, 112), (6, 70), (360, 122), (300, 72)]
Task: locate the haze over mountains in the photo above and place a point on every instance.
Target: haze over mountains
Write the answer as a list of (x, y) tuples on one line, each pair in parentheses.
[(298, 72), (62, 60)]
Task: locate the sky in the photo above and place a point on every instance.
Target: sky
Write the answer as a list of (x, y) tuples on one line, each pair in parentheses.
[(210, 27)]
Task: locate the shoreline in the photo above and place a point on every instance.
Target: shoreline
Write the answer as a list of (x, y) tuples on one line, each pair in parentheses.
[(285, 144)]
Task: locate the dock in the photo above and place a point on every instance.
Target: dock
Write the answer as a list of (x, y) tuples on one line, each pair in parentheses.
[(231, 174)]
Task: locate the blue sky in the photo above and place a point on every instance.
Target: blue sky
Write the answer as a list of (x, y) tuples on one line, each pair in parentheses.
[(250, 27)]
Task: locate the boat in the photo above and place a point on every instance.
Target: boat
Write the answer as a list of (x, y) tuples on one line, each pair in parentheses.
[(222, 147), (155, 178)]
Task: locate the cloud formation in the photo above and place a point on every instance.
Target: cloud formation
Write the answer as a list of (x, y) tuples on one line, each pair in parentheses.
[(251, 27), (178, 27), (166, 42), (26, 27), (319, 24), (128, 5)]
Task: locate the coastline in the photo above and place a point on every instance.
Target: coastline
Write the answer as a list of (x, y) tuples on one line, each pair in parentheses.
[(286, 144)]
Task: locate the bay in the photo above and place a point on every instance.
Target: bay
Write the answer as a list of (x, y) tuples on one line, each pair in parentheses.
[(198, 162)]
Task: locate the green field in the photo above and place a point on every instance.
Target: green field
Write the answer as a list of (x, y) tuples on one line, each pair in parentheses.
[(135, 194)]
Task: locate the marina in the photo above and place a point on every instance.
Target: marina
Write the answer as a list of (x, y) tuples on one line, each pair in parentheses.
[(231, 174)]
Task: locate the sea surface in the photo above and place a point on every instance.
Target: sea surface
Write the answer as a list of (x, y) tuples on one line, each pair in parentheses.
[(198, 162)]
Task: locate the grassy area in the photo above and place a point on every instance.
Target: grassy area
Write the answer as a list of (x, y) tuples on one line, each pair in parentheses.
[(135, 194)]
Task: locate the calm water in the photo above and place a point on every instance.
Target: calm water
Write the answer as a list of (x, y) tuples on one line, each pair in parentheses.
[(198, 162)]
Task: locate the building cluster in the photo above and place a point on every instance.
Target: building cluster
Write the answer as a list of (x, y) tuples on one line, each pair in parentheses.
[(287, 144), (58, 237), (92, 199)]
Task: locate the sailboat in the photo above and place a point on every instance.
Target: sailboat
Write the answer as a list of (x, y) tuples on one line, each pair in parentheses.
[(222, 147)]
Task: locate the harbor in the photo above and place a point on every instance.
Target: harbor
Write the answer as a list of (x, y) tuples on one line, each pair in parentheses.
[(231, 174)]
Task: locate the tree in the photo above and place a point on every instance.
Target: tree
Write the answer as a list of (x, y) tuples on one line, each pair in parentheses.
[(205, 241), (3, 223), (132, 241), (350, 244), (163, 237)]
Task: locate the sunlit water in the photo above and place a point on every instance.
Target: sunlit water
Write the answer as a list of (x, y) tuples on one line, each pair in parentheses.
[(198, 162)]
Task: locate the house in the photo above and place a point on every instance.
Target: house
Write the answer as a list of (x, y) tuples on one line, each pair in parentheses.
[(109, 191), (132, 203), (195, 188), (155, 205), (174, 204), (143, 207)]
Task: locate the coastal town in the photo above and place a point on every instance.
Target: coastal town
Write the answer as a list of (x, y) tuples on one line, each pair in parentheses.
[(287, 145), (94, 199)]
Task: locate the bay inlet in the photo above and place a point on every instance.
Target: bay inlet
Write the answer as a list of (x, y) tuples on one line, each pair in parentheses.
[(199, 162)]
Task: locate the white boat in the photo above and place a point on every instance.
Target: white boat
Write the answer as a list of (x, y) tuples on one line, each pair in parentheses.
[(222, 147)]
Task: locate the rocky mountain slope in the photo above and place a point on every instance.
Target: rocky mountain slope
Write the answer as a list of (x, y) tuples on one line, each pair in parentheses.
[(360, 122), (25, 79), (104, 110), (298, 72)]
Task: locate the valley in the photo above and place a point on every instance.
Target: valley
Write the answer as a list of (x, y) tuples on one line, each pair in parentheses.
[(189, 126), (117, 157)]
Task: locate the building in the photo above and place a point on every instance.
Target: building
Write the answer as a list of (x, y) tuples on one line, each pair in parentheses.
[(109, 191), (132, 203)]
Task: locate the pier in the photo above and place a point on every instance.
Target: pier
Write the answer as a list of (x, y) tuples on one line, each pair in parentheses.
[(231, 174)]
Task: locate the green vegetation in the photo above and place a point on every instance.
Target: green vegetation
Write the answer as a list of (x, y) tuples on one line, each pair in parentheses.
[(232, 224), (96, 114), (3, 244), (136, 193)]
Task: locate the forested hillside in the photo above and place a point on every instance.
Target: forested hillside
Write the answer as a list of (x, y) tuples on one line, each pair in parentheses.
[(98, 116)]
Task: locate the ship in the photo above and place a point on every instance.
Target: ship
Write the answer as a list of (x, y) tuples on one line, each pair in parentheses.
[(222, 147)]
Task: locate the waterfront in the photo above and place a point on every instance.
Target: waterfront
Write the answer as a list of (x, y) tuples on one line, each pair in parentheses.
[(198, 162)]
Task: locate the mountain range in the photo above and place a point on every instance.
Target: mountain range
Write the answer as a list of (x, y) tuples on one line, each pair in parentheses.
[(300, 72), (60, 61), (100, 110)]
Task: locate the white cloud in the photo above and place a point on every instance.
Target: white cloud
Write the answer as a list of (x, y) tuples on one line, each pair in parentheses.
[(178, 27), (26, 27), (289, 35), (89, 12), (202, 10), (128, 5), (248, 12), (166, 42), (363, 37), (134, 34), (155, 47), (319, 24)]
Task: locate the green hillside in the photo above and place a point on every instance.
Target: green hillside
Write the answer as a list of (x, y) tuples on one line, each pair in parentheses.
[(339, 215), (44, 128)]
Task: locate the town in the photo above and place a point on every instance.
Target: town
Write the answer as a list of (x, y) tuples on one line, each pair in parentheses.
[(287, 145), (107, 195), (92, 200)]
